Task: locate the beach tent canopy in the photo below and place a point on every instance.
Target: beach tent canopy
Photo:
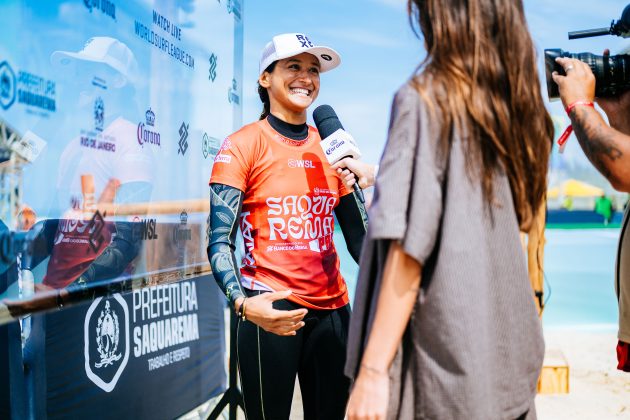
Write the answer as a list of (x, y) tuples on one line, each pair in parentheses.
[(574, 188)]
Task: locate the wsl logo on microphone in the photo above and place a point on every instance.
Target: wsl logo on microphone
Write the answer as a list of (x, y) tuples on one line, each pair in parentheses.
[(146, 135)]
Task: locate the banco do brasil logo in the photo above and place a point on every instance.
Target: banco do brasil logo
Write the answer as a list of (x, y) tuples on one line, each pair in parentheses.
[(183, 139), (212, 71)]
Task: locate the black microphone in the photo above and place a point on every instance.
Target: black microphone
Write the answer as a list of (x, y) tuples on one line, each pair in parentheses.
[(336, 142)]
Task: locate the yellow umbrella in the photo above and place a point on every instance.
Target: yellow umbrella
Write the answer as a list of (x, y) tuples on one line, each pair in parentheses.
[(574, 188)]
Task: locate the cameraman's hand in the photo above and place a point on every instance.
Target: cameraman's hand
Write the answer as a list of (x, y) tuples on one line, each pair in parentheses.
[(259, 310), (578, 84)]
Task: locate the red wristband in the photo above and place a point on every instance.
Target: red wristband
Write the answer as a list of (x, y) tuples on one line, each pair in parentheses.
[(565, 135), (569, 108)]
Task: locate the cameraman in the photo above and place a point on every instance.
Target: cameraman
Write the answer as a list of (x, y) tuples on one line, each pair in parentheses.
[(608, 148)]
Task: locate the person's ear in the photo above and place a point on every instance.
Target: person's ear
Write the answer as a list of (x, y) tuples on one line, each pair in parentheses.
[(264, 80)]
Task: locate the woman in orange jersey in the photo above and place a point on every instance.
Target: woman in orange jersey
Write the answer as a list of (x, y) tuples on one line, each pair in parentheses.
[(273, 178)]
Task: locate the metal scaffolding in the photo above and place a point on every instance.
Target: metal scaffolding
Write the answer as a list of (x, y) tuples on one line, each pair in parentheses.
[(11, 171)]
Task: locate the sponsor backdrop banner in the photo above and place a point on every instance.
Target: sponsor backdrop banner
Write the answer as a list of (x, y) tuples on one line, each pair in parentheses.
[(111, 114), (154, 353), (118, 110)]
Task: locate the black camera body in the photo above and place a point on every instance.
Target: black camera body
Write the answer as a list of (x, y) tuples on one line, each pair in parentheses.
[(612, 72)]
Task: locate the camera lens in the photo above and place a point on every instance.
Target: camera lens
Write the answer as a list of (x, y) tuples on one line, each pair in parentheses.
[(612, 72)]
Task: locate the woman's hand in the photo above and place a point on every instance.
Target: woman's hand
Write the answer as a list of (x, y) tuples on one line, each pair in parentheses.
[(370, 396), (259, 310), (348, 168)]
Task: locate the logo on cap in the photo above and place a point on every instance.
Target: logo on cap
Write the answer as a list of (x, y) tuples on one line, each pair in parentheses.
[(304, 41), (326, 57)]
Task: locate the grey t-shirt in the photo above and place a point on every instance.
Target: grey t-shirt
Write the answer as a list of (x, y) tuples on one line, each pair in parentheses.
[(473, 348)]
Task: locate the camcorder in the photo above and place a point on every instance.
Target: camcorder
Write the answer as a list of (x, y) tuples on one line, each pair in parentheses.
[(612, 72)]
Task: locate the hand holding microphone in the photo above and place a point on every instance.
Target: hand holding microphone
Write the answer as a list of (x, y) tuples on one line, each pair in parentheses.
[(350, 169), (336, 143)]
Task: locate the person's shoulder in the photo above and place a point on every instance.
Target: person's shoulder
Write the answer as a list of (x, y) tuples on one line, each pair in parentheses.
[(248, 134), (417, 91)]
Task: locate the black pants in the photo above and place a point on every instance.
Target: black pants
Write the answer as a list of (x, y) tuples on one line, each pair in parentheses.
[(269, 363)]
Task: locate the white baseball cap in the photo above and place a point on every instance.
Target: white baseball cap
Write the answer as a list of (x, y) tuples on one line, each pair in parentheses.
[(289, 45), (101, 49)]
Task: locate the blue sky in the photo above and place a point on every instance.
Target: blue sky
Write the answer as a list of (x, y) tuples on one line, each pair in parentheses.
[(380, 51)]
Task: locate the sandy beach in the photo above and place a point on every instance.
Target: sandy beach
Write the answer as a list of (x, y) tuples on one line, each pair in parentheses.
[(597, 390)]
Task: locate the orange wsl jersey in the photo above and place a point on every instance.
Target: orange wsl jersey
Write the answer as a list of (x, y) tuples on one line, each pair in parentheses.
[(287, 216)]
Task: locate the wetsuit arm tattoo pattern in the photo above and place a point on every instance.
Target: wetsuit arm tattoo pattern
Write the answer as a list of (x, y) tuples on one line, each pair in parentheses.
[(225, 207)]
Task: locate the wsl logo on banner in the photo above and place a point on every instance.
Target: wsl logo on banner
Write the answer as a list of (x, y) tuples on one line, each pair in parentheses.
[(145, 229), (106, 7), (146, 135), (106, 337), (7, 85)]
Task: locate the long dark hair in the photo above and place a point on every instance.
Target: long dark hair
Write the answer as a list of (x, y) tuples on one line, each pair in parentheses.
[(264, 95), (481, 68)]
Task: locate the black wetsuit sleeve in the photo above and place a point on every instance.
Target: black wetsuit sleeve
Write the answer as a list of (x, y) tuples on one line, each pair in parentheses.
[(225, 207), (352, 218), (123, 249)]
